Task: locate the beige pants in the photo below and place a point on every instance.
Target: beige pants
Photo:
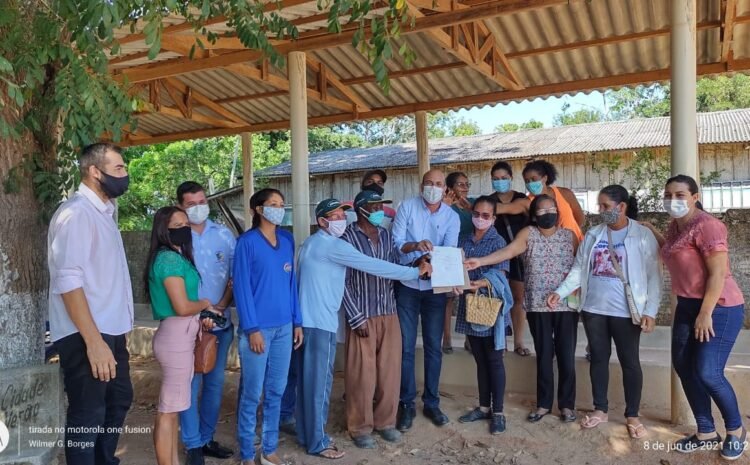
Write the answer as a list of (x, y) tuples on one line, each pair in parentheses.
[(373, 373)]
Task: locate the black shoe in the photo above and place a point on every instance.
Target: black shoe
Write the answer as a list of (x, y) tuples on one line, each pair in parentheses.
[(691, 444), (734, 446), (437, 417), (497, 424), (214, 449), (365, 442), (535, 417), (289, 428), (405, 417), (195, 456), (568, 417), (474, 415)]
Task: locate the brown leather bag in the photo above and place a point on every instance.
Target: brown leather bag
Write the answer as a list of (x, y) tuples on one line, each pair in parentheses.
[(206, 346)]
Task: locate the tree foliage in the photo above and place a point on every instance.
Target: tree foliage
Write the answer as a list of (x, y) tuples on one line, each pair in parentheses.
[(54, 57), (514, 127)]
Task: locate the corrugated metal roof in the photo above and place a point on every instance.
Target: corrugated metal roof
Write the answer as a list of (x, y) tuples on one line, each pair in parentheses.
[(527, 37), (722, 127)]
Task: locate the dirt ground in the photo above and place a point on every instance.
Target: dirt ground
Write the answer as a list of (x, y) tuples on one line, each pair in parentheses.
[(524, 443)]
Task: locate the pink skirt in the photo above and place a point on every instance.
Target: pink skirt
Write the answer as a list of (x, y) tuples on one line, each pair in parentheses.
[(174, 346)]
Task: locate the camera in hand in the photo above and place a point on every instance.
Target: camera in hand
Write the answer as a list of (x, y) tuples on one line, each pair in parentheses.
[(218, 320)]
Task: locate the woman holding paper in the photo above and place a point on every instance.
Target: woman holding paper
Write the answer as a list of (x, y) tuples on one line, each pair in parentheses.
[(618, 250), (549, 252), (484, 240)]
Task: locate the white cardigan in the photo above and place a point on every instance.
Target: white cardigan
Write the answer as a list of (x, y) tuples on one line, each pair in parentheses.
[(644, 267)]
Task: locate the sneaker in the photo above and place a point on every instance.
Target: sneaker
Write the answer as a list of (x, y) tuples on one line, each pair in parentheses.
[(437, 417), (734, 446), (214, 449), (475, 415), (365, 442), (690, 444), (390, 434), (497, 424), (194, 456)]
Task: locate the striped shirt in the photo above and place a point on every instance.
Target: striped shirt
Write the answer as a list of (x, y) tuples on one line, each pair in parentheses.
[(367, 295)]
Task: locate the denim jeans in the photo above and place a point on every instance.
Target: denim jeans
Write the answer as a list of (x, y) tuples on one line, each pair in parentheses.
[(411, 304), (700, 365), (289, 400), (314, 383), (262, 374), (93, 403), (198, 423)]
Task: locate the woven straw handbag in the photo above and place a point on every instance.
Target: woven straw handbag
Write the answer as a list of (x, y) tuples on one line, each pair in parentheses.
[(481, 309)]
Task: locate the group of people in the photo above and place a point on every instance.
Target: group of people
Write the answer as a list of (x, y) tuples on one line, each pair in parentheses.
[(366, 273)]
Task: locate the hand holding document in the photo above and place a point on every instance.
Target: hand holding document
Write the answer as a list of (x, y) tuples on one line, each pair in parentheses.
[(448, 269)]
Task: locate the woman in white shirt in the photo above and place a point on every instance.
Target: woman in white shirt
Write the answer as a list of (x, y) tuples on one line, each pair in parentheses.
[(606, 313)]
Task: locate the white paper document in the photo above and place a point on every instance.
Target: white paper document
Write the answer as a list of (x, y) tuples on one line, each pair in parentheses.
[(447, 267)]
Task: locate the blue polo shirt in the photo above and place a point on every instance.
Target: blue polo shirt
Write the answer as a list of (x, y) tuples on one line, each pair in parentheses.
[(213, 252), (415, 222), (323, 261)]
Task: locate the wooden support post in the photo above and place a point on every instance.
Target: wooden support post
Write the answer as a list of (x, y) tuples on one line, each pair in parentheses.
[(248, 183), (297, 67), (423, 153)]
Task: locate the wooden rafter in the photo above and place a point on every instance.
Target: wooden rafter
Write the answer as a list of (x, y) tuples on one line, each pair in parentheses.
[(729, 15), (198, 117), (439, 20), (205, 101), (336, 82), (491, 97), (178, 98)]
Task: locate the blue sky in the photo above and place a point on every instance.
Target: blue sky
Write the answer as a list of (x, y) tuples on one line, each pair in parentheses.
[(538, 109)]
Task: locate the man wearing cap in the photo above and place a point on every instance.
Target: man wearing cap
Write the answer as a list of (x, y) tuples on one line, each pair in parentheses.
[(373, 335), (323, 260), (421, 223), (373, 180)]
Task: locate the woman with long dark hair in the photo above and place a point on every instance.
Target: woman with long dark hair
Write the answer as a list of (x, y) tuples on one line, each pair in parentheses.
[(265, 290), (508, 225), (709, 316), (549, 251), (172, 281), (618, 250)]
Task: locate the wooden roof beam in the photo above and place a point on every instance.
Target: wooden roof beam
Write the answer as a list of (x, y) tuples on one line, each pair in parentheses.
[(728, 15), (206, 101), (439, 20), (198, 117), (480, 99), (334, 81)]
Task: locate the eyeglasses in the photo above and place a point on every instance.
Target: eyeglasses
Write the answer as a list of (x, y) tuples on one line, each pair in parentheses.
[(484, 216), (465, 185), (545, 211)]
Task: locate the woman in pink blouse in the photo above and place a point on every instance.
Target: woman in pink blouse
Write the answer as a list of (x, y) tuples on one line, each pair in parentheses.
[(709, 316)]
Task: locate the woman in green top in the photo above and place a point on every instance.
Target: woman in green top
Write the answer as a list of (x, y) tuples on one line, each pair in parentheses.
[(457, 196), (172, 283)]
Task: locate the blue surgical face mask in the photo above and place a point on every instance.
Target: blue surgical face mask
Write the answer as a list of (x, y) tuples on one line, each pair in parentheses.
[(501, 185), (535, 187), (375, 218), (275, 215)]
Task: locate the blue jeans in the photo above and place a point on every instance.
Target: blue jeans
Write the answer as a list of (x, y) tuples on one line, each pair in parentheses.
[(411, 304), (289, 400), (262, 374), (198, 425), (700, 365), (315, 380)]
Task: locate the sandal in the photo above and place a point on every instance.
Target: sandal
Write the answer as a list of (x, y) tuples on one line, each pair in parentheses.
[(331, 452), (522, 351), (592, 422), (636, 431)]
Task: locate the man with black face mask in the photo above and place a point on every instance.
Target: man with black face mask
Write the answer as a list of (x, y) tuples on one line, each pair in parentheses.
[(91, 307), (373, 180)]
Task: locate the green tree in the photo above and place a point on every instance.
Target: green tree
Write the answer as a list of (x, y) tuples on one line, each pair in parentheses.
[(513, 127), (580, 116)]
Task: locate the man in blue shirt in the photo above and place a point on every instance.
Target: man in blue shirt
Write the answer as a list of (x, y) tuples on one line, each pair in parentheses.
[(213, 250), (323, 260), (421, 223)]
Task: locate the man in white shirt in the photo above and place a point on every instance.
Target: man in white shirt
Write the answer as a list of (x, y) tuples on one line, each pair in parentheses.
[(91, 308)]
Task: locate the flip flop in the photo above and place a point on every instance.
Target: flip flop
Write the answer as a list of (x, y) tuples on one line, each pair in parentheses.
[(636, 431), (592, 422), (331, 453), (522, 351)]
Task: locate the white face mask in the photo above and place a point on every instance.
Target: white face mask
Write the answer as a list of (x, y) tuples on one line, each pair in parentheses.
[(275, 215), (197, 214), (432, 194), (676, 208), (336, 228)]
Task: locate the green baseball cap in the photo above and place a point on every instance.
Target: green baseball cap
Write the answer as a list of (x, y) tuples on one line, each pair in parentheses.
[(367, 197), (327, 206)]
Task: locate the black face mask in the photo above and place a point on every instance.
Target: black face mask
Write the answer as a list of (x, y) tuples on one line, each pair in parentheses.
[(181, 236), (112, 186), (378, 189), (546, 221)]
